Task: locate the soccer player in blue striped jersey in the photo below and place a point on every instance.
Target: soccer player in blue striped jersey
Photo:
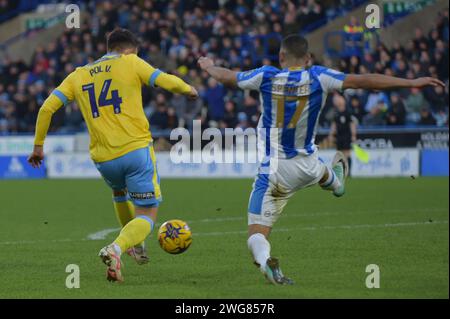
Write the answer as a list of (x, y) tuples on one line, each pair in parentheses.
[(291, 101)]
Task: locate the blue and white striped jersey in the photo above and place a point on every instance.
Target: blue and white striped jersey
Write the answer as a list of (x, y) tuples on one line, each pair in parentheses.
[(291, 102)]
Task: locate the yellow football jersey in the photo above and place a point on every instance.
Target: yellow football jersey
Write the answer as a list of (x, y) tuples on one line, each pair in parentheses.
[(108, 92)]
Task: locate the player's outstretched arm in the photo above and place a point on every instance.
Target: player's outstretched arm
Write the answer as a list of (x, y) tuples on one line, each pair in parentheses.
[(222, 75), (385, 82), (44, 118), (174, 84), (155, 77)]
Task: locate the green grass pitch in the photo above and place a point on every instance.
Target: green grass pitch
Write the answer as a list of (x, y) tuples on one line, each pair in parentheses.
[(324, 243)]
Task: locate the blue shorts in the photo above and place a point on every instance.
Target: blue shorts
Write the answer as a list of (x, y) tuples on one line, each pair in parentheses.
[(135, 172)]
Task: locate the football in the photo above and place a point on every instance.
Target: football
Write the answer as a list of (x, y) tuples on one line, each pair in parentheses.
[(175, 236)]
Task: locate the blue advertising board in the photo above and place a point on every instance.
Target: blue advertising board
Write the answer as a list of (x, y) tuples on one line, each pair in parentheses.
[(17, 167), (434, 163)]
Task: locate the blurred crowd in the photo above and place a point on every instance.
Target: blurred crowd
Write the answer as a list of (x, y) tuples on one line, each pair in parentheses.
[(424, 55), (7, 6), (240, 34)]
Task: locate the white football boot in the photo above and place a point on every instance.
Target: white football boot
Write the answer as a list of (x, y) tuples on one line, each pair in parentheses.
[(111, 259), (273, 273), (340, 168)]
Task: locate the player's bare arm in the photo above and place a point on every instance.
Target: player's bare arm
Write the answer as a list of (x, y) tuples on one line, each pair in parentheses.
[(223, 75), (385, 82)]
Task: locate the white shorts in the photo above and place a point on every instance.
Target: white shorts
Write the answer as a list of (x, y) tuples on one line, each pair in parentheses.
[(271, 191)]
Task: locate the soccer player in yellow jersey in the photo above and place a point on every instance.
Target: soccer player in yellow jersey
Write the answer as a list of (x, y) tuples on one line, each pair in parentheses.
[(108, 92)]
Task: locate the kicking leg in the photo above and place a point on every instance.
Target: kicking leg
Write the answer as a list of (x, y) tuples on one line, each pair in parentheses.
[(142, 184), (334, 179), (132, 234), (137, 229)]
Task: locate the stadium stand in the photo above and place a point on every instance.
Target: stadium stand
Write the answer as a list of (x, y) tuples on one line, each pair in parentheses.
[(241, 34)]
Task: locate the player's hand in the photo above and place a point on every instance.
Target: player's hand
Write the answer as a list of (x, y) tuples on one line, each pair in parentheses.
[(205, 63), (37, 156), (426, 81), (193, 95)]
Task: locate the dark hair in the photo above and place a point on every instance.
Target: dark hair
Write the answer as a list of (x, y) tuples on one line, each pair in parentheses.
[(120, 38), (295, 45)]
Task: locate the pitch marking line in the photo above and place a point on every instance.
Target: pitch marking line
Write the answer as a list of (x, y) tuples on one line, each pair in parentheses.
[(101, 235), (313, 228), (312, 214), (237, 218)]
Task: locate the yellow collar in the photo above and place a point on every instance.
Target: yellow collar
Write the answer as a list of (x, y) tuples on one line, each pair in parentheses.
[(296, 68)]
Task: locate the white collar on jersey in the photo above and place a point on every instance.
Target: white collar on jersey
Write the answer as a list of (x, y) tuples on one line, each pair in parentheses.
[(110, 54)]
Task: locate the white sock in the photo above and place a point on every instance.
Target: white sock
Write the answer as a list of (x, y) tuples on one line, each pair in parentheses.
[(260, 248), (332, 181), (117, 249)]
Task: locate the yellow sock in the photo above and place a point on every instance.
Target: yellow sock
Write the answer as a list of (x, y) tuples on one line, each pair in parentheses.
[(124, 211), (134, 232)]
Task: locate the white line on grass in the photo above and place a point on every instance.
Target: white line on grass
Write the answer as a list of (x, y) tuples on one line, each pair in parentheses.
[(39, 241), (312, 214), (313, 228), (103, 233)]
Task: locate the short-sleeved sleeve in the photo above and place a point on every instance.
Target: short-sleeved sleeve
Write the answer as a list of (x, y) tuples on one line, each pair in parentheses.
[(146, 73), (329, 79), (251, 80), (66, 90)]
